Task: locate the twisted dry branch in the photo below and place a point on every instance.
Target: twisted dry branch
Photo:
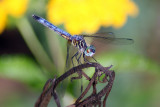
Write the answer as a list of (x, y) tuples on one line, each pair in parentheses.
[(93, 100)]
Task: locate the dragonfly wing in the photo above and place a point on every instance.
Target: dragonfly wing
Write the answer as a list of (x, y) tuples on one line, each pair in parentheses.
[(71, 50), (102, 34), (108, 37), (64, 84)]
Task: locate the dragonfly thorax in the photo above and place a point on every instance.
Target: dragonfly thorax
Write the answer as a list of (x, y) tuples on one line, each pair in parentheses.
[(90, 51), (79, 42)]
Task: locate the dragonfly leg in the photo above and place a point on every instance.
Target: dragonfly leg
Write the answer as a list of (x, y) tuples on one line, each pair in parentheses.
[(94, 58), (84, 57), (85, 60), (75, 55), (79, 59)]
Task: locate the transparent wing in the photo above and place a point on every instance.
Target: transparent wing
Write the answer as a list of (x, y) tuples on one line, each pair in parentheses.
[(71, 50), (108, 37), (75, 83)]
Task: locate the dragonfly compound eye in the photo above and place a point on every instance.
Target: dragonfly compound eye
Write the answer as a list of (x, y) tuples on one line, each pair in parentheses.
[(90, 51), (93, 50)]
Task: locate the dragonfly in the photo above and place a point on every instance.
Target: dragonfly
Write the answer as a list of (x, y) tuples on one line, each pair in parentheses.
[(79, 41)]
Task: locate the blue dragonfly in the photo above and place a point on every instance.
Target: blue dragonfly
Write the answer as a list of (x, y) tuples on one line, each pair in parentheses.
[(79, 41)]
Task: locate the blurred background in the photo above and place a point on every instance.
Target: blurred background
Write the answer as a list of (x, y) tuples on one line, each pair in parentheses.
[(30, 53)]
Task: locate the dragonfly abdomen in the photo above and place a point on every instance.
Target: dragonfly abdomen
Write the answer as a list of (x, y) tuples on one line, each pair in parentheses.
[(52, 27)]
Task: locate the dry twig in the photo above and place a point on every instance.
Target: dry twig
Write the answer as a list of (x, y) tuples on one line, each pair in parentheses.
[(93, 100)]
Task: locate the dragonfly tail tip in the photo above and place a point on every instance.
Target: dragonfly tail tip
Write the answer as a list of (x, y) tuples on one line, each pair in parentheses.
[(35, 17)]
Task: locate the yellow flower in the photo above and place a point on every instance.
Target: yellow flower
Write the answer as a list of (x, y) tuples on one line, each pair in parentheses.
[(88, 15), (11, 7)]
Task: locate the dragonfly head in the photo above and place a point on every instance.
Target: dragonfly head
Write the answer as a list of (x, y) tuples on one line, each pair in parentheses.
[(90, 50)]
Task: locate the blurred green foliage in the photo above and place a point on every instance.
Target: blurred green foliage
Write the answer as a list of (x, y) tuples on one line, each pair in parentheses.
[(24, 69)]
